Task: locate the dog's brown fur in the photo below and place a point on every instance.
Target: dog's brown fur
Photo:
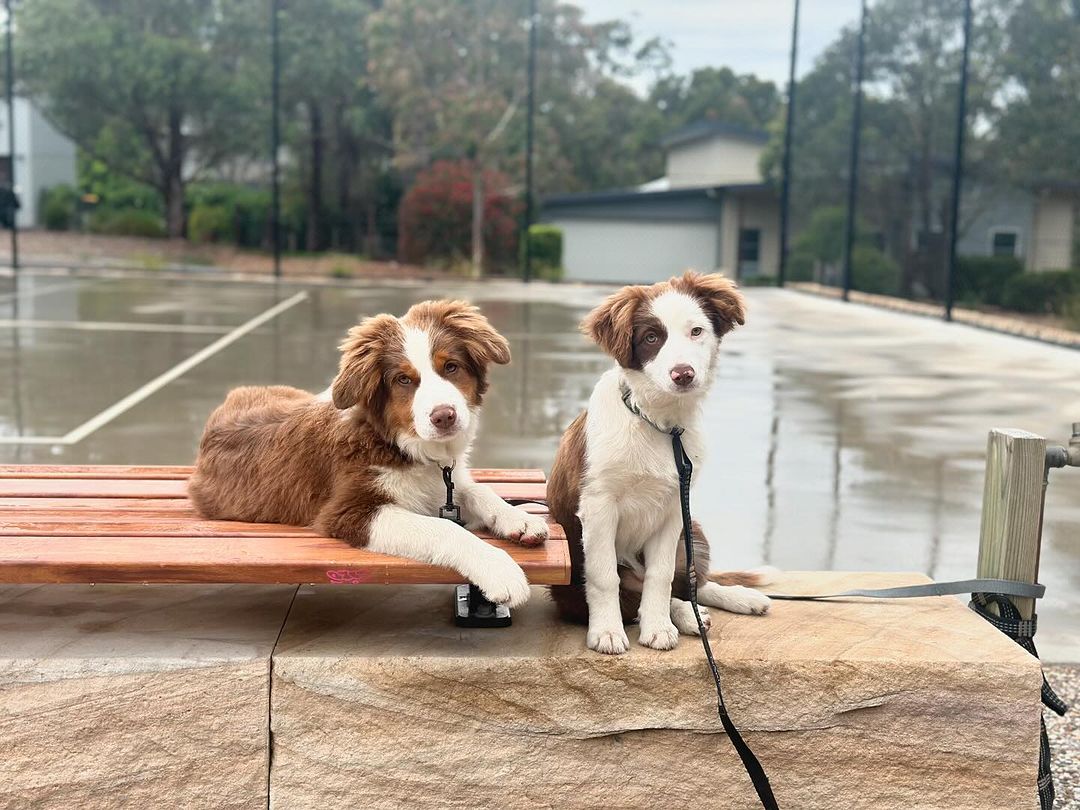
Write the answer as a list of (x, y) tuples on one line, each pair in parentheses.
[(281, 455)]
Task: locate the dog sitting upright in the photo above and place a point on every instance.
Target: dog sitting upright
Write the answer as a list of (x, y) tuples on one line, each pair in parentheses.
[(363, 461), (614, 486)]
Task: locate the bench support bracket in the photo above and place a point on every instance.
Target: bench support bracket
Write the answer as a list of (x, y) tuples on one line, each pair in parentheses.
[(473, 609)]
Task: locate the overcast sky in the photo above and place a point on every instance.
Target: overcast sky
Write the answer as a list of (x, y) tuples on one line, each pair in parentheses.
[(749, 36)]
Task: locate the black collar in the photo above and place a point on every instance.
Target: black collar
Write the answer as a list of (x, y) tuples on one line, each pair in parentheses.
[(634, 409)]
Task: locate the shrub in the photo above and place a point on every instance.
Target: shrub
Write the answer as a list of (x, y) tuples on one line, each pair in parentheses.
[(800, 266), (210, 223), (128, 222), (545, 245), (874, 272), (59, 207), (247, 211), (1072, 312), (982, 279), (435, 219), (1044, 291)]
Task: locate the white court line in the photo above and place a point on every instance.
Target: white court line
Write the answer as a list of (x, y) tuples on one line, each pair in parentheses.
[(45, 290), (135, 397), (116, 326)]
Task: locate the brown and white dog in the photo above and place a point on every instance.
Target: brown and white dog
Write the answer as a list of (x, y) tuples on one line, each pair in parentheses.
[(362, 461), (614, 486)]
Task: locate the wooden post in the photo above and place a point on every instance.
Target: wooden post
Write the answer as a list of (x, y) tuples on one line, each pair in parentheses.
[(1012, 509)]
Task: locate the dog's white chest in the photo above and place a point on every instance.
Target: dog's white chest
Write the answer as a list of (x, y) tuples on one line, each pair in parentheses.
[(418, 488)]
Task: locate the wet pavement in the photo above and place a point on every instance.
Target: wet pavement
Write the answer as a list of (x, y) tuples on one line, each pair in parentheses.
[(843, 437)]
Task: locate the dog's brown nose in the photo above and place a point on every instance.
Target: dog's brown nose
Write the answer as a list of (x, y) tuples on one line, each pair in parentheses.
[(682, 375), (443, 417)]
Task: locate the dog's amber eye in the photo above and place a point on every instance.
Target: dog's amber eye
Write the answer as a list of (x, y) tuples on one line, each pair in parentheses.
[(404, 379), (696, 331), (651, 337), (450, 368)]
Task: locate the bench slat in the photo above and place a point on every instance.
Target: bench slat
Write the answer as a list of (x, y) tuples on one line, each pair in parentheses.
[(171, 488), (118, 471), (281, 559), (135, 524)]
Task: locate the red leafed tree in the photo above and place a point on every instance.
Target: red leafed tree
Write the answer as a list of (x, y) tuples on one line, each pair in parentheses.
[(435, 218)]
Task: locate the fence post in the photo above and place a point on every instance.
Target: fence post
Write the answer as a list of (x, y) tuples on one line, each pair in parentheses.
[(1012, 509)]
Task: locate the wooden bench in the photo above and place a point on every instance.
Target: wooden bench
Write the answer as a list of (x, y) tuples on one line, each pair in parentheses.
[(98, 524)]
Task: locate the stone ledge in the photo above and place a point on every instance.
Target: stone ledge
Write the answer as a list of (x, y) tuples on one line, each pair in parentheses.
[(378, 701), (132, 696)]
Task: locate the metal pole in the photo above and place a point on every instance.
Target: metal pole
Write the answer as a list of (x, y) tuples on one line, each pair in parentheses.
[(11, 138), (958, 165), (853, 165), (789, 125), (529, 123), (275, 133)]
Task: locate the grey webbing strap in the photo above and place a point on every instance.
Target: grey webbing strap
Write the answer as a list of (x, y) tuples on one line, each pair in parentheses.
[(1003, 586)]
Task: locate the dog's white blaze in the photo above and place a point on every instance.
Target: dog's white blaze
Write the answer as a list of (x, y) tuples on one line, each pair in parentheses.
[(434, 390), (680, 314)]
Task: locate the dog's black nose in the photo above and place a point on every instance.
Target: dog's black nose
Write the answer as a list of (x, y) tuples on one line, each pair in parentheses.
[(682, 375), (443, 417)]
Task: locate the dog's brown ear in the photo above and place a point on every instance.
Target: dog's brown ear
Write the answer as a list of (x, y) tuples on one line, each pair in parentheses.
[(611, 325), (360, 379), (718, 296)]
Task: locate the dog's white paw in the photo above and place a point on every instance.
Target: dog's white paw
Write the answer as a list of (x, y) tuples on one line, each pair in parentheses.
[(739, 599), (519, 526), (661, 636), (609, 641), (682, 616), (502, 580)]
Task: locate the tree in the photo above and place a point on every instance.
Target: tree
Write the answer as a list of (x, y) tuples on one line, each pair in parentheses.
[(155, 89), (338, 128), (911, 80), (457, 89), (1038, 129), (716, 94)]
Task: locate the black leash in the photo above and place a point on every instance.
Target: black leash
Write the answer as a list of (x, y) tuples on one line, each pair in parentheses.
[(685, 469), (449, 510)]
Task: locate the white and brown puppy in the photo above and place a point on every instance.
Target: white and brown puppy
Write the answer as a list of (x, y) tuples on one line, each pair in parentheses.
[(614, 486), (362, 462)]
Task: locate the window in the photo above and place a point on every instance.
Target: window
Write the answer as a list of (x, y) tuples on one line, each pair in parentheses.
[(1003, 243), (749, 251)]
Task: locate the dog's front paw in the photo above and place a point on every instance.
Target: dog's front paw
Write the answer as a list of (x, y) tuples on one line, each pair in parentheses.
[(661, 636), (519, 526), (502, 580), (682, 616), (609, 641)]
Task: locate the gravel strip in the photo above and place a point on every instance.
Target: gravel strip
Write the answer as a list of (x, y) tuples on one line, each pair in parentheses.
[(1064, 735)]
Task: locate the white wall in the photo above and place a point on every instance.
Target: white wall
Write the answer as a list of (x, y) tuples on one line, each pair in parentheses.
[(1052, 242), (714, 161), (43, 157), (634, 251)]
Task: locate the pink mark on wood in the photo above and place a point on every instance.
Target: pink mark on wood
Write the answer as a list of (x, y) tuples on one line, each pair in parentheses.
[(348, 576)]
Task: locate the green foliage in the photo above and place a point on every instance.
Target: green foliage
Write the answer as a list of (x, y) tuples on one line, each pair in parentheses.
[(210, 223), (1044, 291), (874, 272), (1072, 312), (546, 248), (228, 212), (129, 222), (110, 189), (157, 90), (59, 207), (340, 271), (759, 281), (982, 279)]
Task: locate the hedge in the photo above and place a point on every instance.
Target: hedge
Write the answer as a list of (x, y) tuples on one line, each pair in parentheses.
[(983, 279)]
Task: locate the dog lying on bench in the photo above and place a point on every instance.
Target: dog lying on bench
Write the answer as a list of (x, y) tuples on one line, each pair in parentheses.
[(364, 461)]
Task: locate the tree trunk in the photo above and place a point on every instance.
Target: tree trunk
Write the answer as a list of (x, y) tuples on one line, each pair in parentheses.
[(477, 221), (315, 213), (173, 181)]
